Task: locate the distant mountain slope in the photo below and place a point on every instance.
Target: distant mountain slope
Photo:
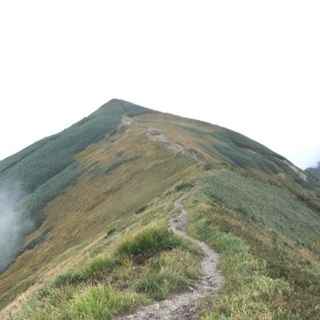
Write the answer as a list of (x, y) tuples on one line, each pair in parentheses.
[(315, 170), (76, 195), (45, 168)]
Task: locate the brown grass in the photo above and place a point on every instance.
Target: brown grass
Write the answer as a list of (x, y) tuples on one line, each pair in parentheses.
[(85, 211)]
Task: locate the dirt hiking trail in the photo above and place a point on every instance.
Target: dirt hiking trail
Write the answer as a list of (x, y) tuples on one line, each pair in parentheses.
[(189, 304)]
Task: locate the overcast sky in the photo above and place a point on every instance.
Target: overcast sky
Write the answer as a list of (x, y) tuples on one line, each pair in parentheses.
[(250, 66)]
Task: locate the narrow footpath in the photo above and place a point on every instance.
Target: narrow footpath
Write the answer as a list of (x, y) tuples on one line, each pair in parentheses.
[(189, 304)]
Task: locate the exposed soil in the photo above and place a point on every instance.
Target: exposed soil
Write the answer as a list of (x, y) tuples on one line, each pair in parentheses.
[(189, 304), (157, 135)]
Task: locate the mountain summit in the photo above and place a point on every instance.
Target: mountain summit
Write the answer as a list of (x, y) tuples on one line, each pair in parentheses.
[(123, 209)]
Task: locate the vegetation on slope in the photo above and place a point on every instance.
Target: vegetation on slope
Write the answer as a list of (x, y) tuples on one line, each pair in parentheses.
[(315, 171), (122, 162), (269, 245), (46, 168), (41, 163), (255, 208), (270, 273), (141, 269)]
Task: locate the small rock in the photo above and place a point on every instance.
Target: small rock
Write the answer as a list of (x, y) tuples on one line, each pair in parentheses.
[(156, 306)]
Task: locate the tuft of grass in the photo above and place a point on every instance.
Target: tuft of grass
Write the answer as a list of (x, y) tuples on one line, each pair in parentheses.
[(94, 270), (111, 231), (146, 267), (167, 274), (151, 242), (141, 209), (101, 302), (183, 186)]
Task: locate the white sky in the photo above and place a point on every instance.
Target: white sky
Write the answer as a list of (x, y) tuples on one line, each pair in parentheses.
[(250, 66)]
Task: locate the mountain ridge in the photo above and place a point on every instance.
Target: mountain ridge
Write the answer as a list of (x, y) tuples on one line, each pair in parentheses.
[(119, 170), (315, 170)]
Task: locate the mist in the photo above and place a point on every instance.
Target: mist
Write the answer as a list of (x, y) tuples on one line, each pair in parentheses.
[(13, 225)]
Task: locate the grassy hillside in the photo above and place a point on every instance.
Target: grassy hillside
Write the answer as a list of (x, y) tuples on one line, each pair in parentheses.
[(315, 170), (44, 169), (269, 242), (103, 187)]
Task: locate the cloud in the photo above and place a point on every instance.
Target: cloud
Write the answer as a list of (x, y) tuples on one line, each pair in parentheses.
[(13, 226)]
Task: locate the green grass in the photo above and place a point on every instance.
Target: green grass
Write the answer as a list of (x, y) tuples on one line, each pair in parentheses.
[(150, 242), (141, 209), (183, 186), (248, 292), (144, 268), (168, 274), (270, 206), (101, 302), (269, 248), (240, 151), (92, 302)]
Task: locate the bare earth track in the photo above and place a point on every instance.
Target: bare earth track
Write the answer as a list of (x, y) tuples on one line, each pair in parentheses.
[(186, 305)]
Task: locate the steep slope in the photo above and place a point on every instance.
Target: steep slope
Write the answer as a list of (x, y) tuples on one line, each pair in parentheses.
[(315, 170), (118, 172)]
